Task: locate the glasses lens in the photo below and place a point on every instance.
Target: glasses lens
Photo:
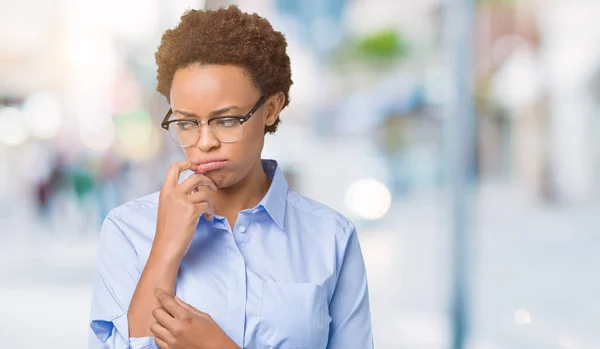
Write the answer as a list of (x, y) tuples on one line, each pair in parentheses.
[(227, 130), (183, 133)]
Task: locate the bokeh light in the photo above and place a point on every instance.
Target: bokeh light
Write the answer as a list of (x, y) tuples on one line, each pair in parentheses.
[(98, 139), (136, 137), (368, 198), (522, 317), (13, 130), (568, 341), (43, 115)]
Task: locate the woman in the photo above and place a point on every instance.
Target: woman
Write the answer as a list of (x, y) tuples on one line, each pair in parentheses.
[(252, 263)]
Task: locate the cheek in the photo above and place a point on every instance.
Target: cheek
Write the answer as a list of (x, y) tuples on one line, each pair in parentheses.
[(188, 152), (253, 138)]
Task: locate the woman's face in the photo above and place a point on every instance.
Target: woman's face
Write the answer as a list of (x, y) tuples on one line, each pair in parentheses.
[(223, 90)]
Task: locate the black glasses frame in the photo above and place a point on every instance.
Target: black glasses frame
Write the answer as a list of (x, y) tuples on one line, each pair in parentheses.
[(242, 119)]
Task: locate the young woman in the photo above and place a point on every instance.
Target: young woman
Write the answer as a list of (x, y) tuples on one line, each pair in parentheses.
[(227, 256)]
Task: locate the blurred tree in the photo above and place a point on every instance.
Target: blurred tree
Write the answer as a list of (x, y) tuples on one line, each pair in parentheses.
[(386, 44), (377, 49)]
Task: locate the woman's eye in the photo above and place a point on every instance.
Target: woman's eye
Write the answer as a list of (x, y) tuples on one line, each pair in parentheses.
[(231, 122), (184, 125)]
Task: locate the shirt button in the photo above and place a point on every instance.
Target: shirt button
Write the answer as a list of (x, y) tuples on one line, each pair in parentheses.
[(242, 229), (255, 211)]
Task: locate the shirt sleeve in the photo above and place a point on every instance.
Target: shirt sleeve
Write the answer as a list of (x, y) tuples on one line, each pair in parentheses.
[(115, 279), (349, 306)]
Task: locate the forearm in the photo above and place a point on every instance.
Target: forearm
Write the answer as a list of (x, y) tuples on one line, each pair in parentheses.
[(160, 272)]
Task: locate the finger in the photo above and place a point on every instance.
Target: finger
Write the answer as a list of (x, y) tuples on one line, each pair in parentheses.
[(204, 204), (188, 307), (161, 335), (204, 208), (196, 180), (168, 302), (175, 169), (161, 344), (200, 196), (164, 318), (209, 211)]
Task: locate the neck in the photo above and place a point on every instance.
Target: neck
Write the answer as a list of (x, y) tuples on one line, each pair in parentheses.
[(245, 194)]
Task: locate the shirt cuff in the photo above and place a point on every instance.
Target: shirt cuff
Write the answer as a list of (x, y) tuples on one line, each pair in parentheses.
[(142, 343)]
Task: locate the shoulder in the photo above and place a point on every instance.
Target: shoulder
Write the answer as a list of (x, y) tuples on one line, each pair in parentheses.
[(148, 203), (330, 235), (136, 219), (318, 213)]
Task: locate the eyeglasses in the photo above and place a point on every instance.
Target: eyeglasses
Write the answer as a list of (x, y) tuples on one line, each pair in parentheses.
[(226, 129)]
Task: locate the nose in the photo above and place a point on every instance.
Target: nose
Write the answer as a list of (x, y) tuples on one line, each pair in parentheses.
[(206, 141)]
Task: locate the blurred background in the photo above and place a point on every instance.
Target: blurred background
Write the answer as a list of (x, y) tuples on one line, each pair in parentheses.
[(375, 87)]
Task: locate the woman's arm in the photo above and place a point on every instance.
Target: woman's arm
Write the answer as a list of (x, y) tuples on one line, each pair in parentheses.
[(116, 275), (160, 272), (349, 307), (179, 211)]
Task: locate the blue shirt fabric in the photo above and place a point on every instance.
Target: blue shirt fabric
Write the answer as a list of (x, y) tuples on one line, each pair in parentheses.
[(290, 274)]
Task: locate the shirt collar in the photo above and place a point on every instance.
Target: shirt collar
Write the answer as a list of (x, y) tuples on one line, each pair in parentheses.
[(275, 200)]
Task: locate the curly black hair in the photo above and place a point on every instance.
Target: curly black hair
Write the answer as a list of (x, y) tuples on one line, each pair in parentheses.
[(226, 36)]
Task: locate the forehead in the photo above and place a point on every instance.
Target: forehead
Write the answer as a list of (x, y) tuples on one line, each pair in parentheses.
[(210, 85)]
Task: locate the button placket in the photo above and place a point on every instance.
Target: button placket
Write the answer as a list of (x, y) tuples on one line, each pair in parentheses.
[(237, 293)]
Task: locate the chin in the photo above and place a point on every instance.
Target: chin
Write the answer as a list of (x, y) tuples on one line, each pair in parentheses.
[(227, 177), (222, 179)]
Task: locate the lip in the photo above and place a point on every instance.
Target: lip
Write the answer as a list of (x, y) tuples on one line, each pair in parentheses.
[(210, 165)]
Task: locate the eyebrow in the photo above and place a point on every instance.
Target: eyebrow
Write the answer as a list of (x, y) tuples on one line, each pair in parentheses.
[(212, 113)]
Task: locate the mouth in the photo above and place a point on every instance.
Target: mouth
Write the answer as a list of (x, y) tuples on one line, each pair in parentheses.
[(208, 166)]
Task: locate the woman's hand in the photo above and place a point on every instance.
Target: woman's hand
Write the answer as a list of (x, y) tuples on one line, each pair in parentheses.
[(180, 326), (179, 209)]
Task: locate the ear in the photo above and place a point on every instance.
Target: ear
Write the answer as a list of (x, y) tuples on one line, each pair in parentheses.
[(273, 106)]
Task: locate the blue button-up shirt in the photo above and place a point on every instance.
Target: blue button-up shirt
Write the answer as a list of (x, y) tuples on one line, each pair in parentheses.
[(290, 274)]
